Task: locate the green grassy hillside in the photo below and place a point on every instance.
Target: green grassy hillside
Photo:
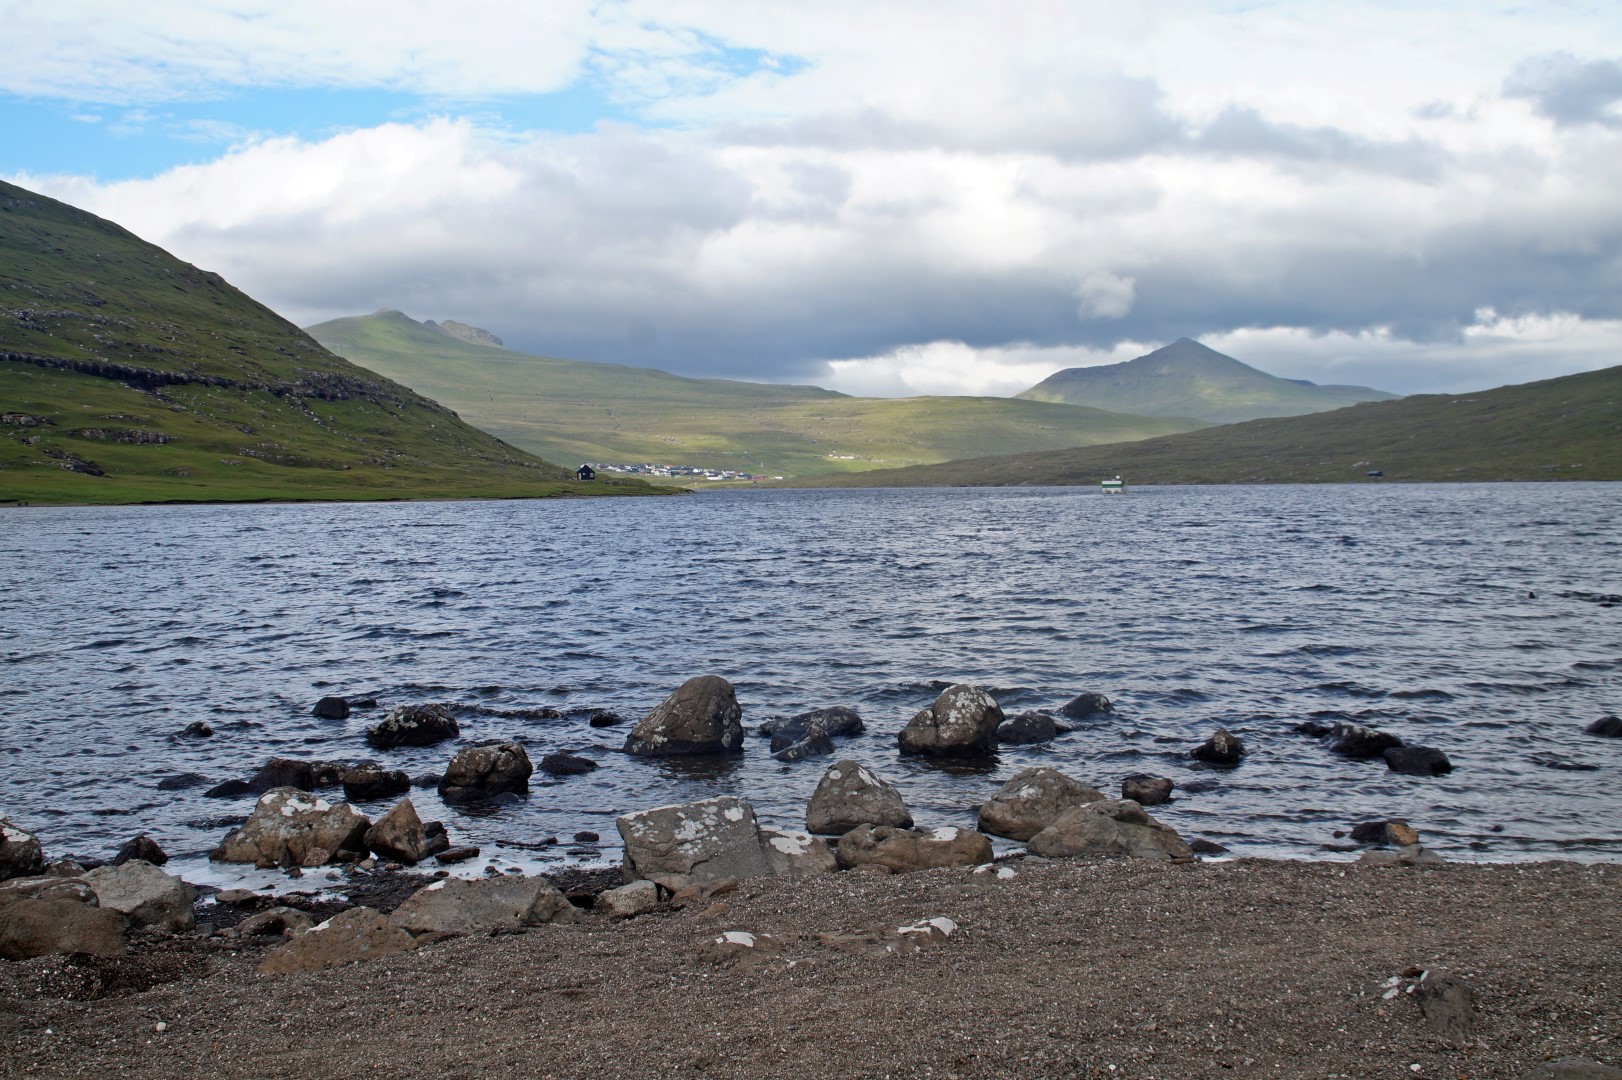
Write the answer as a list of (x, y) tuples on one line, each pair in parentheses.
[(1568, 428), (1187, 379), (573, 411), (127, 375)]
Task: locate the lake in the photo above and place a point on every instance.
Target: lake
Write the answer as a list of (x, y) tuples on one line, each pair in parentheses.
[(1478, 619)]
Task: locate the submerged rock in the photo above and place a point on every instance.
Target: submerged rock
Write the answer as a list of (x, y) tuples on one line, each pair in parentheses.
[(1146, 790), (835, 722), (369, 780), (816, 744), (1607, 726), (962, 722), (1357, 741), (1031, 800), (413, 725), (331, 708), (702, 716), (848, 795), (567, 765), (1027, 728), (1395, 832), (1085, 705), (1418, 761)]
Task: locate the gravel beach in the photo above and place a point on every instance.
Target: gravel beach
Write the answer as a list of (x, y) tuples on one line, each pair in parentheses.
[(1087, 967)]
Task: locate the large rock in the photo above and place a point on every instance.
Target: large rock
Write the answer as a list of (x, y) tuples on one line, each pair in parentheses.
[(1031, 800), (701, 717), (401, 836), (44, 927), (1109, 827), (289, 827), (491, 768), (1448, 1004), (331, 708), (357, 934), (850, 795), (1417, 761), (20, 853), (369, 780), (1607, 726), (1394, 832), (455, 906), (1028, 728), (699, 843), (145, 895), (962, 722), (905, 850), (797, 855), (629, 901), (413, 725), (1222, 748)]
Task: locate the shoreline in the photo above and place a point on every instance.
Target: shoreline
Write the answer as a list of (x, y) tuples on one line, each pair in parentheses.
[(1065, 967)]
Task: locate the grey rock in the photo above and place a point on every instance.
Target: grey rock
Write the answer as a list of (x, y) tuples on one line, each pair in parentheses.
[(702, 716), (1411, 855), (1417, 761), (289, 827), (693, 844), (1146, 790), (797, 855), (1572, 1068), (1222, 748), (401, 836), (1028, 728), (20, 853), (486, 770), (835, 722), (358, 934), (1031, 800), (1448, 1004), (906, 850), (1109, 827), (145, 895), (567, 765), (413, 725), (455, 906), (962, 722), (1086, 705), (629, 901), (848, 795), (816, 744)]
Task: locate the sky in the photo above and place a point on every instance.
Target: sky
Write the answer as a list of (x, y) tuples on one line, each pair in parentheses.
[(881, 197)]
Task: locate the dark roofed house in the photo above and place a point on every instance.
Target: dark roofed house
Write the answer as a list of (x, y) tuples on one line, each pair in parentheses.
[(585, 472)]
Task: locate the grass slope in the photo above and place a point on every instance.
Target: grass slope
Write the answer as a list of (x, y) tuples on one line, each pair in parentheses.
[(1569, 428), (127, 375), (1188, 379), (574, 411)]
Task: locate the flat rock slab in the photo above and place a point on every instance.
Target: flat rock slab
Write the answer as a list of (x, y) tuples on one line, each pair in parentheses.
[(906, 850), (797, 854), (696, 843), (455, 906), (45, 927), (348, 937)]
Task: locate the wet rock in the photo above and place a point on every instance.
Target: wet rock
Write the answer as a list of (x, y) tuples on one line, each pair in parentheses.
[(182, 781), (1417, 761), (629, 901), (906, 850), (816, 744), (455, 906), (1447, 1003), (198, 729), (275, 922), (369, 780), (456, 855), (413, 725), (145, 895), (1086, 705), (331, 708), (230, 789), (694, 843), (1146, 790), (363, 703), (402, 836), (962, 722), (835, 722), (1394, 832), (289, 827), (701, 717), (1608, 726), (1031, 800), (486, 770), (1222, 748), (1359, 742), (1203, 846), (1562, 764), (1028, 728), (1571, 1068), (1412, 855), (848, 795), (1109, 827), (566, 765), (284, 772), (606, 718), (797, 855), (39, 927), (350, 936), (20, 853), (586, 836)]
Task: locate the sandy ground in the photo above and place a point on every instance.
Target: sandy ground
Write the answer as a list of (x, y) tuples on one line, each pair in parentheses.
[(1087, 967)]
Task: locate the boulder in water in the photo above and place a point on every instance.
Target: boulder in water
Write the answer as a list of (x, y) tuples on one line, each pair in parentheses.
[(1027, 728), (962, 722), (289, 827), (369, 780), (413, 725), (1222, 748), (401, 836), (1417, 761), (1085, 705), (1031, 800), (701, 716), (331, 708), (1608, 726), (484, 771), (1146, 790)]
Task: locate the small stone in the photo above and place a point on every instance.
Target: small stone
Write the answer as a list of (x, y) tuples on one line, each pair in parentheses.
[(198, 729), (331, 708), (566, 765), (586, 836), (457, 854), (1222, 748)]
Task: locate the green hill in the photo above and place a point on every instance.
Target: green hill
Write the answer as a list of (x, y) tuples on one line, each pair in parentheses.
[(1187, 379), (127, 375), (1569, 428), (574, 411)]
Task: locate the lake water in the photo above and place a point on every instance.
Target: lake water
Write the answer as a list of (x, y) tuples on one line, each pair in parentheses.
[(1471, 618)]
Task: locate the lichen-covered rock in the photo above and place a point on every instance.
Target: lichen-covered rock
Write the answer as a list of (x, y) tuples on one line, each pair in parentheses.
[(357, 934), (1109, 827), (145, 895), (1031, 800), (694, 844), (849, 795), (906, 850), (401, 836), (701, 717), (413, 725), (455, 906), (44, 927), (1146, 790), (290, 827), (20, 853), (479, 772), (962, 722), (1222, 748), (797, 855)]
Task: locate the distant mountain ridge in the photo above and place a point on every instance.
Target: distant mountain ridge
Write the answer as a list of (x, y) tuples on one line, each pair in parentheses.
[(473, 335), (579, 411), (1189, 379)]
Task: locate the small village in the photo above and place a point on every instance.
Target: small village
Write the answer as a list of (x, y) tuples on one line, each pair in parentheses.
[(692, 472)]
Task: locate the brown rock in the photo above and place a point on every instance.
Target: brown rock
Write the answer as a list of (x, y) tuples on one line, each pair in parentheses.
[(848, 795), (455, 906), (47, 887), (962, 722), (44, 927), (1146, 790), (701, 717), (149, 898), (293, 828), (1109, 827), (491, 768), (356, 934), (1448, 1004), (20, 853), (1031, 800), (905, 850), (400, 835)]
